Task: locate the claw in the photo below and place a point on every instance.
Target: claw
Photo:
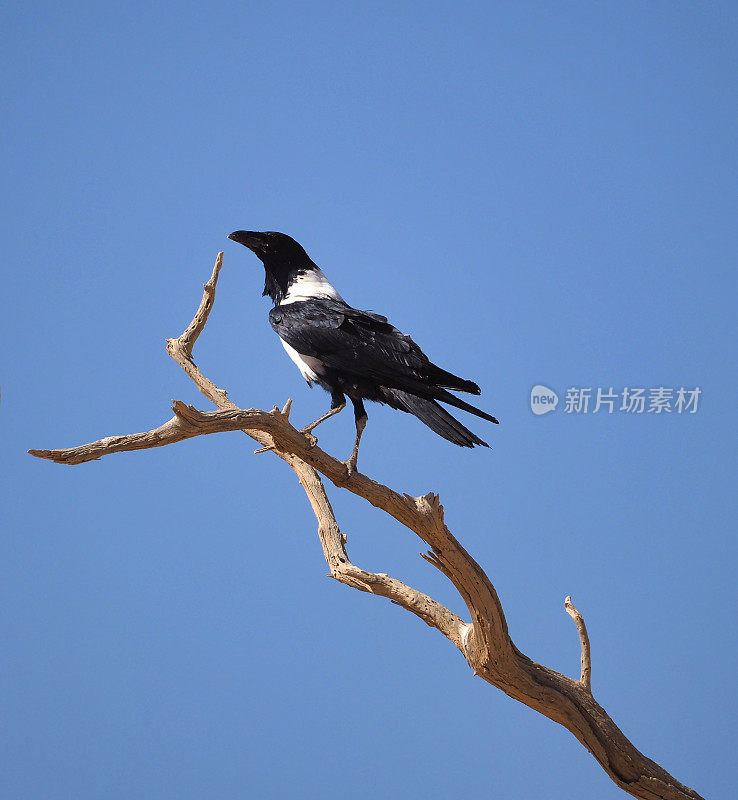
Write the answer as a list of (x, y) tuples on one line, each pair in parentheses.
[(312, 440), (351, 464)]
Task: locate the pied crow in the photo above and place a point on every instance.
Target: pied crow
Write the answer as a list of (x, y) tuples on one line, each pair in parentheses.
[(351, 352)]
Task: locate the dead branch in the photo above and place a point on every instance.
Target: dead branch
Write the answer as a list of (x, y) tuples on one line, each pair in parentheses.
[(586, 674), (484, 641)]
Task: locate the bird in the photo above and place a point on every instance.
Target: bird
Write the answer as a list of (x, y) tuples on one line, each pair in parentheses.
[(352, 353)]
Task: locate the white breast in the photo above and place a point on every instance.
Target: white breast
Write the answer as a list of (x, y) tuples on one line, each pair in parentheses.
[(310, 367), (310, 286)]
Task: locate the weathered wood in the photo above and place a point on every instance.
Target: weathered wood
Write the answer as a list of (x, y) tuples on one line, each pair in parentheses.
[(484, 641)]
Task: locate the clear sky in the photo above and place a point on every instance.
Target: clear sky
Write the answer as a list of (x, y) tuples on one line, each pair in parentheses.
[(540, 193)]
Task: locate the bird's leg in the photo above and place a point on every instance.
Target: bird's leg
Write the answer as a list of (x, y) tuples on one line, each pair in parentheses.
[(338, 403), (361, 418), (327, 415)]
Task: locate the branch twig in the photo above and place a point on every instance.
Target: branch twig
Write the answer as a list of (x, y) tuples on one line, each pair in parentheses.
[(484, 640), (586, 673)]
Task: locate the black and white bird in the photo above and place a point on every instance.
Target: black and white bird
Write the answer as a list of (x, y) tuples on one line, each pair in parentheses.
[(353, 353)]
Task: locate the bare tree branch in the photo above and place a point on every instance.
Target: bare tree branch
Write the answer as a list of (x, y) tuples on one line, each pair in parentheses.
[(586, 674), (484, 641)]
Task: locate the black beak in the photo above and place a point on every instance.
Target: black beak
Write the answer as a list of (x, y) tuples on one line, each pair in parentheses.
[(249, 239)]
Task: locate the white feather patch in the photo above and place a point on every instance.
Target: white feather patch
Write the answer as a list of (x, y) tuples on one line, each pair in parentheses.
[(309, 366), (309, 286)]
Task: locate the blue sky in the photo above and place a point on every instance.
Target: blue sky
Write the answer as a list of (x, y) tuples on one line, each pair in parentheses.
[(539, 193)]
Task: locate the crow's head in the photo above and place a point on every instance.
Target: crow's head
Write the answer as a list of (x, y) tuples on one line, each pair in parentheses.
[(271, 247), (282, 256)]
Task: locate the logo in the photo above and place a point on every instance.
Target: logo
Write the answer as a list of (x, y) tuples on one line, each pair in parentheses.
[(543, 399), (658, 400)]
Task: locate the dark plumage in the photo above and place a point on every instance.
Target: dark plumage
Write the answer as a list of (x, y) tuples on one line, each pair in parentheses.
[(353, 353)]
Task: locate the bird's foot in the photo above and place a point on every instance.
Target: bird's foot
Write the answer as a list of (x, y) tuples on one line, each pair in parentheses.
[(312, 440), (351, 464)]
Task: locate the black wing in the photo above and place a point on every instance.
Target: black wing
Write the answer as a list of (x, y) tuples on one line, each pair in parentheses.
[(365, 345)]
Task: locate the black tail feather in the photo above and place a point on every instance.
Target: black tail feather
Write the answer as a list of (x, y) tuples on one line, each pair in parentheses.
[(434, 416), (436, 392), (448, 380), (452, 400)]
